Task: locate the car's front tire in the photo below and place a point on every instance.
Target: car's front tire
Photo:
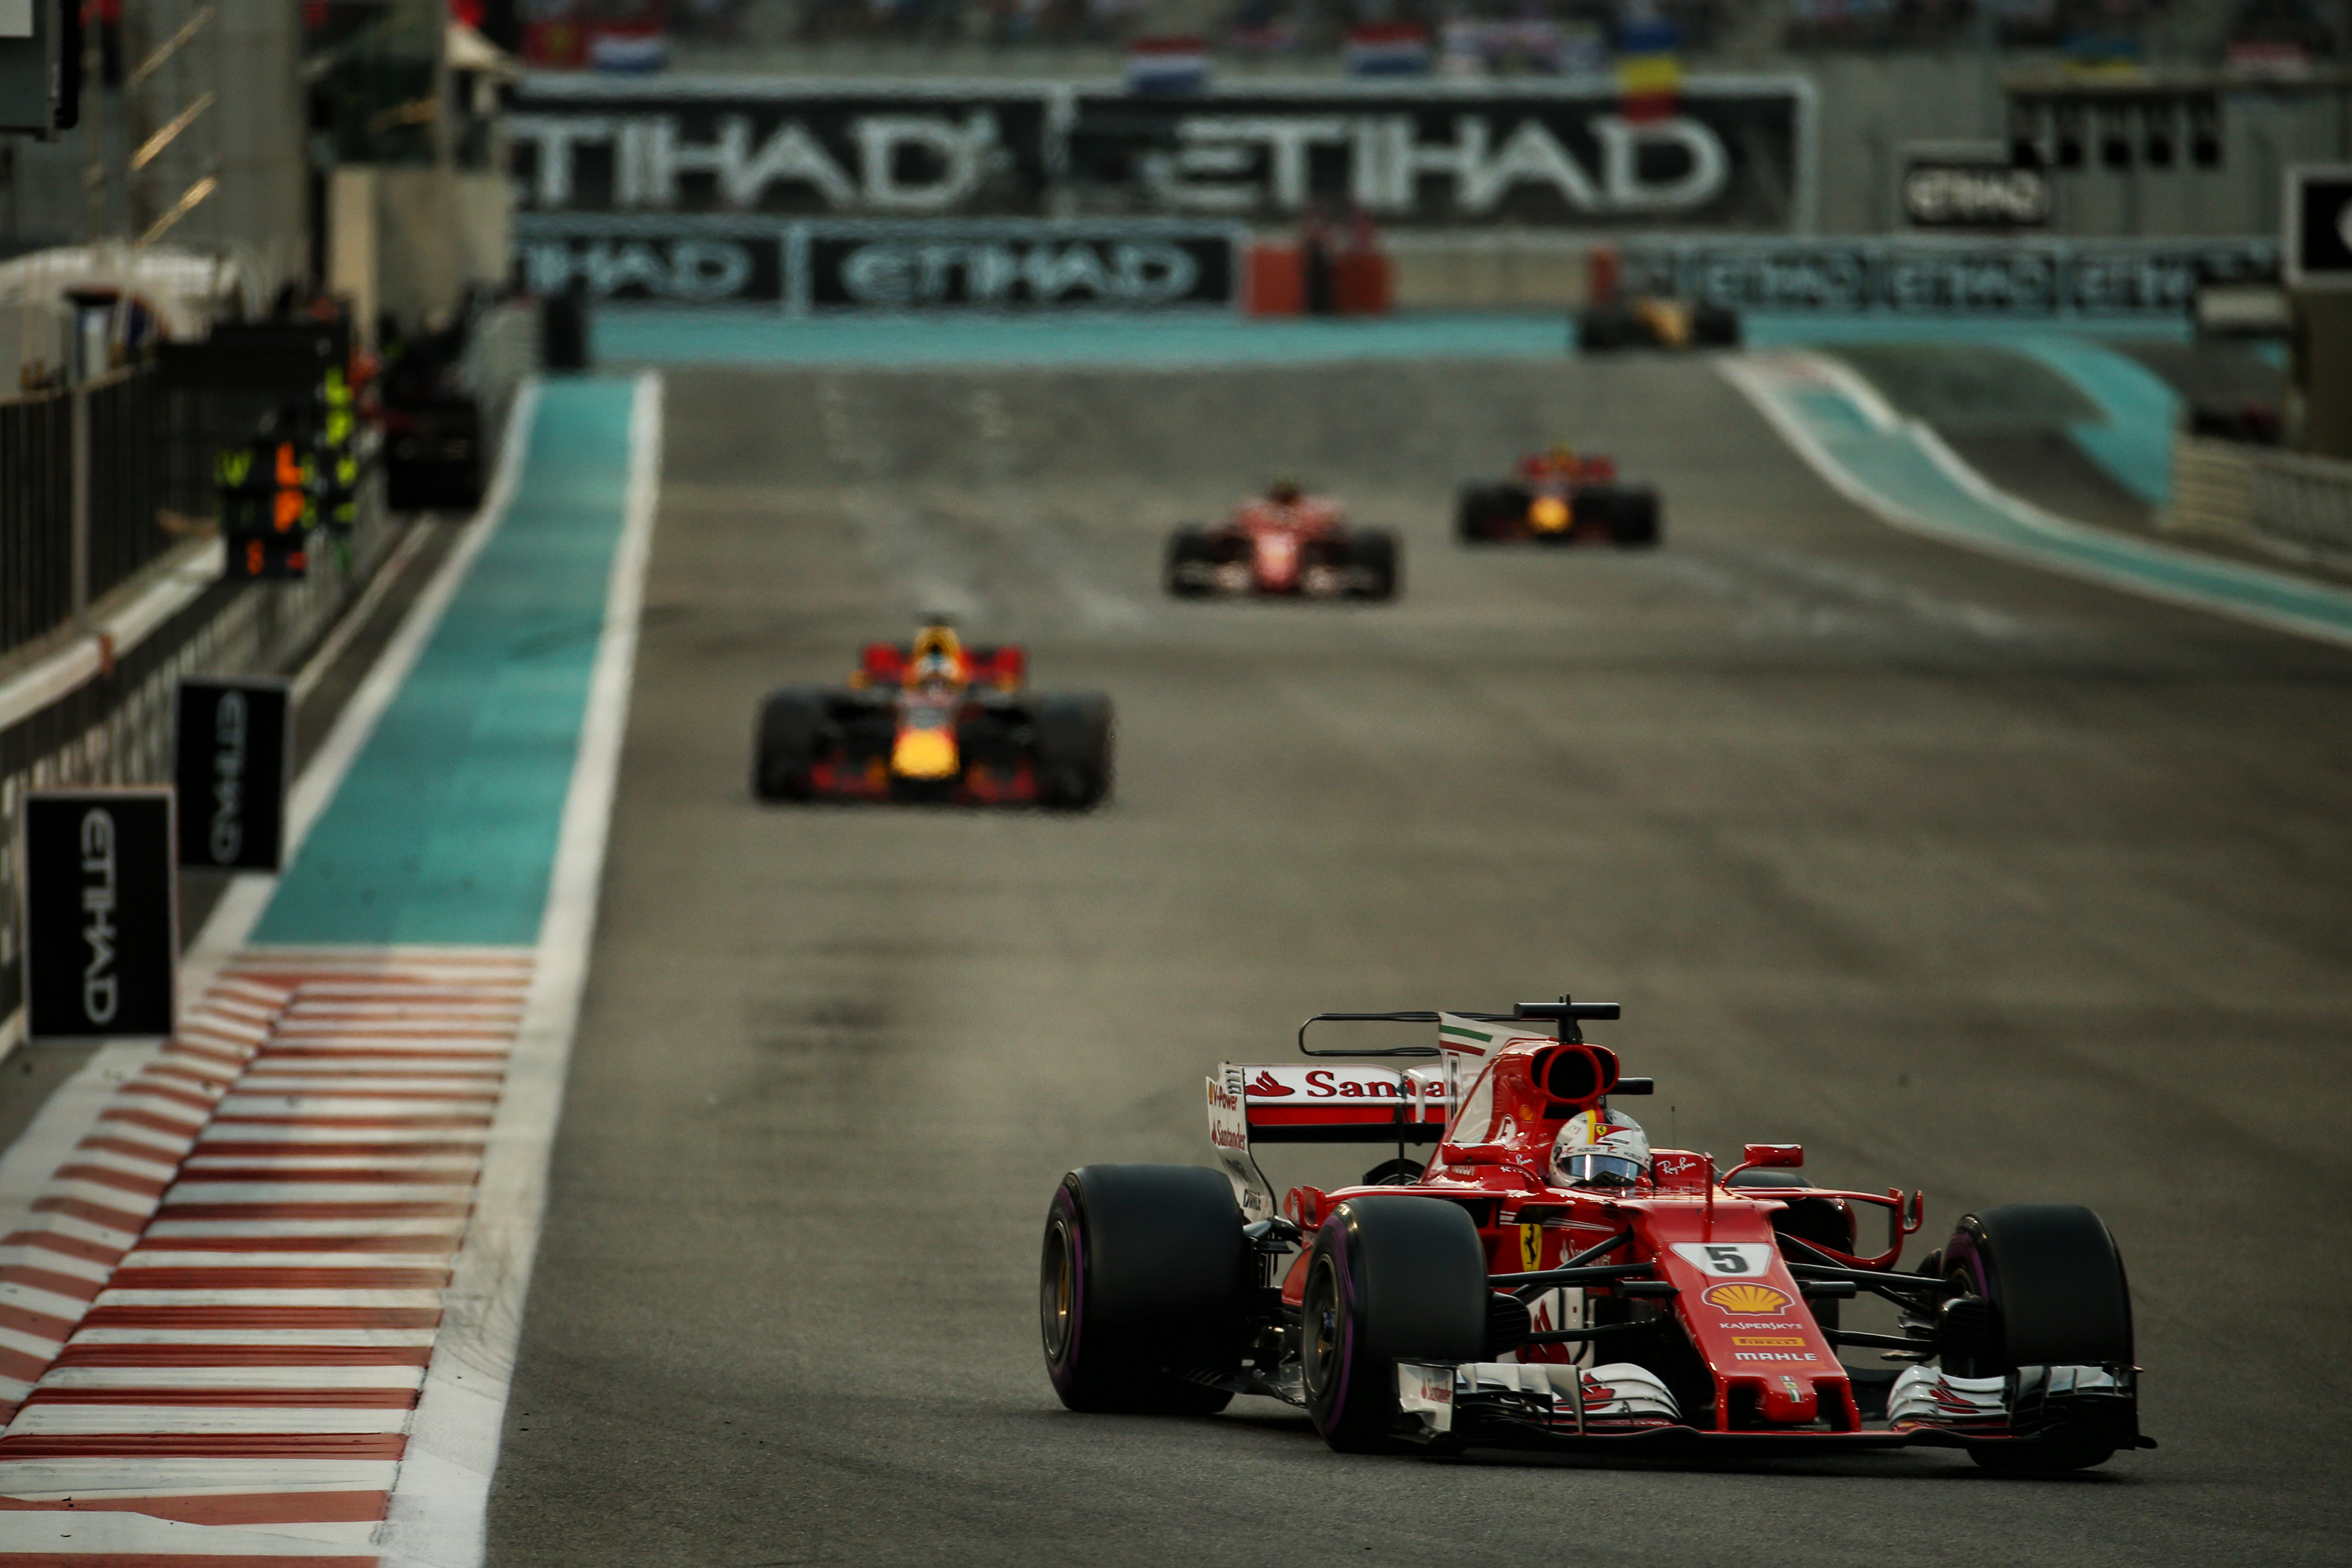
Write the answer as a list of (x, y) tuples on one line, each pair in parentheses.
[(1373, 552), (1140, 1281), (2053, 1293), (784, 747), (1074, 751), (1388, 1278)]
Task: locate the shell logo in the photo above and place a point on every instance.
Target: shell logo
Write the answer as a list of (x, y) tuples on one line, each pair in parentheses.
[(1754, 1298)]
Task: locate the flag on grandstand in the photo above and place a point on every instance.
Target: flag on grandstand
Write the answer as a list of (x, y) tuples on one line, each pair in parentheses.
[(1392, 49), (1167, 65), (1649, 69), (632, 48)]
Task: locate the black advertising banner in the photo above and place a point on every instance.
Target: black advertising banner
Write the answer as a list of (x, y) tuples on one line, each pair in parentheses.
[(685, 260), (233, 751), (1974, 193), (807, 148), (101, 922), (1558, 155), (1010, 266), (1734, 155), (2319, 227), (1927, 277)]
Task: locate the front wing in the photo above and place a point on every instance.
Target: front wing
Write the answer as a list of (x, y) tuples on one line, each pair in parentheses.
[(1467, 1404)]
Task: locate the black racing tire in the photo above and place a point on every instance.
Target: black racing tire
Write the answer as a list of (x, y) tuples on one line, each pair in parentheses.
[(1374, 550), (784, 748), (1187, 546), (1388, 1278), (1074, 751), (1144, 1270), (2057, 1296), (1484, 513), (1603, 328), (1715, 327), (1633, 517)]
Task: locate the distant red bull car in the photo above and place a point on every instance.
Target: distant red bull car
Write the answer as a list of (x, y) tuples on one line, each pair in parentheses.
[(1535, 1275), (1560, 498), (934, 721), (1285, 545)]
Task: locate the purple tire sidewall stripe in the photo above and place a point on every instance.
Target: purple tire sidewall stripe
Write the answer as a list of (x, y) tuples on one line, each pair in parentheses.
[(1063, 1371), (1344, 1284)]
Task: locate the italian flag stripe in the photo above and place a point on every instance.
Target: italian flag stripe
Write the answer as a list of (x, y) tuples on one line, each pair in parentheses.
[(1465, 1034)]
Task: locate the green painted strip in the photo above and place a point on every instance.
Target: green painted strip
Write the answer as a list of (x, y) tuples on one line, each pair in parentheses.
[(1900, 471), (445, 829), (2132, 437), (655, 335)]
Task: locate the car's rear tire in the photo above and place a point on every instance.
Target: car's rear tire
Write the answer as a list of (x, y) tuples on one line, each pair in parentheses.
[(1633, 517), (1142, 1278), (2056, 1295), (784, 748), (1188, 547), (1373, 552), (1074, 751), (1715, 327), (1606, 327), (1388, 1278), (1484, 513)]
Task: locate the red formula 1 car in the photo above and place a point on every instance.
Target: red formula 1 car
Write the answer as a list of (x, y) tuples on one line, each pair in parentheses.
[(933, 720), (1560, 498), (1550, 1282), (1288, 545)]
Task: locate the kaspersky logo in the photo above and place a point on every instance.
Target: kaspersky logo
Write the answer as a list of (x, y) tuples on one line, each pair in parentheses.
[(1750, 1300)]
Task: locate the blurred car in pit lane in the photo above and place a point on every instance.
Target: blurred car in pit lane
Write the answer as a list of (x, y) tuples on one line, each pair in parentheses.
[(1286, 544), (1560, 498), (935, 721)]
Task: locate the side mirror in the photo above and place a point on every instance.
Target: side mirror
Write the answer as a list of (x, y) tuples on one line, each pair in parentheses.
[(1473, 1154), (1786, 1156)]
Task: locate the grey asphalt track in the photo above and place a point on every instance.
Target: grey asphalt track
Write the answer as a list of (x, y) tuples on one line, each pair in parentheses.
[(1963, 876)]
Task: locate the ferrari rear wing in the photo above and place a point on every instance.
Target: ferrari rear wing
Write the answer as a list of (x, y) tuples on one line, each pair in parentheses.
[(1251, 1103)]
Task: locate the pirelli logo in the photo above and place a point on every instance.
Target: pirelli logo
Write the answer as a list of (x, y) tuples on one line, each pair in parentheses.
[(1757, 1341)]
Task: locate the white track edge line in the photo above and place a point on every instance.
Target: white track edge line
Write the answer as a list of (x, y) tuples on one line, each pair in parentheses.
[(1747, 379), (440, 1514), (349, 625)]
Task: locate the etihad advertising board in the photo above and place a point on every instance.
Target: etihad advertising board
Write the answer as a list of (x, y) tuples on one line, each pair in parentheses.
[(1735, 156)]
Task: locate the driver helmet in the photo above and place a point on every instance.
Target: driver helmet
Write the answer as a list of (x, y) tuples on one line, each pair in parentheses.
[(1561, 456), (937, 655), (1283, 492), (1600, 1147)]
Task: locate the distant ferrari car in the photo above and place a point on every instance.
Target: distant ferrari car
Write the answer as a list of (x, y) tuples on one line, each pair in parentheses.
[(934, 721), (1548, 1280), (1288, 545), (1649, 322), (1559, 499)]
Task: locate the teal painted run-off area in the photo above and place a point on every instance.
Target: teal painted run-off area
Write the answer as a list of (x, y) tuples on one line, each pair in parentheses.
[(445, 829)]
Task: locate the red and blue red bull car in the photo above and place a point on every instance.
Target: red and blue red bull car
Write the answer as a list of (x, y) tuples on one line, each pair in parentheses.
[(1543, 1279), (1560, 498), (934, 721)]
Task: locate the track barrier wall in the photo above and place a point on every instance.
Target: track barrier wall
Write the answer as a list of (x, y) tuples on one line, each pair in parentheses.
[(69, 720), (2290, 503)]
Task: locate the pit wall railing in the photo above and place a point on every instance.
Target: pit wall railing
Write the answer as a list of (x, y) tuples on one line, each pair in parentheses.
[(114, 726), (2289, 504)]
